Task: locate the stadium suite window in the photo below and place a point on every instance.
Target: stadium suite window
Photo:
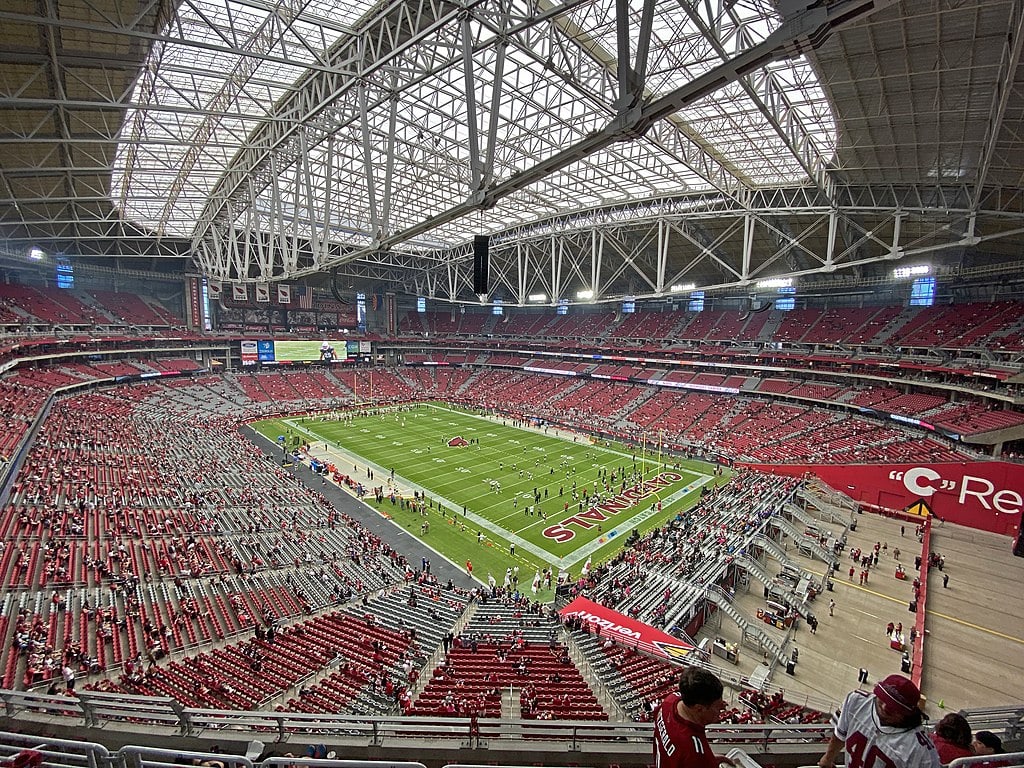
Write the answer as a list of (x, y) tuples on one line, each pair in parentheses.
[(421, 304), (922, 292), (65, 273), (497, 309), (786, 299), (696, 303), (563, 307)]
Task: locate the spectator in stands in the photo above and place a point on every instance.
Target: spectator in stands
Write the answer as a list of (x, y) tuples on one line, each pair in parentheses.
[(987, 743), (952, 738), (882, 727), (679, 737)]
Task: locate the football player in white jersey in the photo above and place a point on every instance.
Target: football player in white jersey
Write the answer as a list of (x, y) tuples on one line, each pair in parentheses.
[(882, 729)]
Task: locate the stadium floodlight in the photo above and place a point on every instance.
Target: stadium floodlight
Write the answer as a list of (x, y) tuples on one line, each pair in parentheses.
[(537, 297), (915, 271), (37, 254), (680, 287), (585, 295), (775, 282)]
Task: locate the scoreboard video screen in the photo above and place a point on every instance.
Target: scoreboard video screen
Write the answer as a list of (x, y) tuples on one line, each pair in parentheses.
[(268, 351)]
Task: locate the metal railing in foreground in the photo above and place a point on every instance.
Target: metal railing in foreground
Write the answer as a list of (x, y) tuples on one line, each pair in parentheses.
[(153, 720), (161, 716), (1004, 760), (58, 753)]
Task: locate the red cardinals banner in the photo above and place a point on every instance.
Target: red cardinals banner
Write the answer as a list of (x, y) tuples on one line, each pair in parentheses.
[(987, 495), (623, 629), (195, 303)]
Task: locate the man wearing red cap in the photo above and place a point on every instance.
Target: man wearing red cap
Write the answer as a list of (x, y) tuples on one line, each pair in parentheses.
[(882, 729)]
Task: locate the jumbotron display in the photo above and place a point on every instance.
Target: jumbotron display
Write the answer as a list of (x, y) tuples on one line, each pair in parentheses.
[(268, 351)]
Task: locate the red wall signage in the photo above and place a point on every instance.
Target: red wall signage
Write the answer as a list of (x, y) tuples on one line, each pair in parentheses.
[(635, 634), (987, 495)]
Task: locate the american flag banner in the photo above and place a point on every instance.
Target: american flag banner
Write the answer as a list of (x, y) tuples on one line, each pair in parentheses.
[(213, 288), (263, 293), (305, 296), (284, 293), (239, 292)]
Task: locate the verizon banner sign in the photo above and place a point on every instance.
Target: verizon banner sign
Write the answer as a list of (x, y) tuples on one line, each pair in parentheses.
[(621, 628), (986, 495)]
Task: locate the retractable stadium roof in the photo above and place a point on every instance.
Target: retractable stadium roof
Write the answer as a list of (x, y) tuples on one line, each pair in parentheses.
[(620, 147)]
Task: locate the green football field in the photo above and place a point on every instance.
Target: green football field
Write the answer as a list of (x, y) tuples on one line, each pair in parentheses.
[(511, 497)]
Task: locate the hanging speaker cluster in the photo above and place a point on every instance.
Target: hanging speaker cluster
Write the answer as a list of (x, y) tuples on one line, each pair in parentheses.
[(481, 266)]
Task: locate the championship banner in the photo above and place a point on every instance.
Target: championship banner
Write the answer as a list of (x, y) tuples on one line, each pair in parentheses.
[(239, 292), (623, 629), (195, 303), (986, 495), (262, 293), (213, 288), (284, 293)]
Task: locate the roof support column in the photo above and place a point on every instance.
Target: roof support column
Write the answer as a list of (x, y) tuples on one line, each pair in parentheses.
[(662, 257), (323, 248), (596, 257), (632, 78), (895, 251), (830, 248), (452, 273), (371, 187), (476, 171), (557, 257), (522, 267), (389, 168), (1008, 63), (748, 246)]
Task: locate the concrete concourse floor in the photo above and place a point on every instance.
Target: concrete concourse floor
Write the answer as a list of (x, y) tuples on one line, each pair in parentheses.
[(974, 642)]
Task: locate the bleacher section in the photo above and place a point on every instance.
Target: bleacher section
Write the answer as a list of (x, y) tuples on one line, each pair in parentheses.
[(25, 304), (143, 481), (508, 643), (131, 309), (111, 492)]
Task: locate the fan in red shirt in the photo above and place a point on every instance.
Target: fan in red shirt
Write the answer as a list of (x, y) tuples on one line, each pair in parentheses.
[(952, 738), (679, 739)]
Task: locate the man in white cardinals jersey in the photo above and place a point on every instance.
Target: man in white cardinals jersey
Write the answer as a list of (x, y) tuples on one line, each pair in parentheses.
[(882, 729)]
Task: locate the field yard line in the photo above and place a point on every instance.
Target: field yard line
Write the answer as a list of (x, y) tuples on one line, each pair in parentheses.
[(592, 546), (558, 435), (503, 534), (401, 531), (514, 514), (554, 518), (482, 523)]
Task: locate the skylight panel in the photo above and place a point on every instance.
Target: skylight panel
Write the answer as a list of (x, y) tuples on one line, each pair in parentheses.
[(216, 99)]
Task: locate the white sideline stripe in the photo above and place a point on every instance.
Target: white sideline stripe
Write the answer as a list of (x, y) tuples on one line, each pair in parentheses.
[(482, 523)]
